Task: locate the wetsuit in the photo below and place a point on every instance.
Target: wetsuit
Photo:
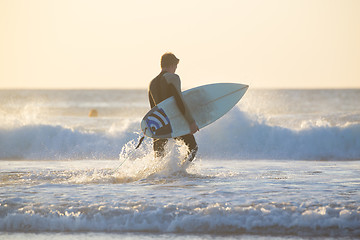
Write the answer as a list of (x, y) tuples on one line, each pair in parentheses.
[(163, 86)]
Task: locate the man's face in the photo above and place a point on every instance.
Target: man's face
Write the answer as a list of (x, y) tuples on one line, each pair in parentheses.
[(173, 68)]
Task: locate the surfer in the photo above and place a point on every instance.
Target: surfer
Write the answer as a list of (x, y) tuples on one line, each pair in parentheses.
[(163, 86)]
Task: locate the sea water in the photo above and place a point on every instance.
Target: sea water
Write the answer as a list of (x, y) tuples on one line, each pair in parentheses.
[(281, 164)]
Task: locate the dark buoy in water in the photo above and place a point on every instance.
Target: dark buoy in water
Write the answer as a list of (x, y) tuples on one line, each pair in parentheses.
[(93, 113)]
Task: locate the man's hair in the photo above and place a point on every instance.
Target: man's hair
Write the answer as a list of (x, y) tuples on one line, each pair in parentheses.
[(168, 59)]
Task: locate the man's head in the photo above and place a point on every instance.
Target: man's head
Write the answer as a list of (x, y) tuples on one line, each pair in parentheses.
[(169, 62)]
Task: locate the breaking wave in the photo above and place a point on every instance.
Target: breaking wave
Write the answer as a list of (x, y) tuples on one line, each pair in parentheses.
[(274, 219), (241, 136), (236, 136)]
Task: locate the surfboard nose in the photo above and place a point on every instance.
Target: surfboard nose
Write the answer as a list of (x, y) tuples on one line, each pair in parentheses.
[(243, 86)]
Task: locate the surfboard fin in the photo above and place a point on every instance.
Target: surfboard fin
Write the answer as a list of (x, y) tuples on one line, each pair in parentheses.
[(141, 140)]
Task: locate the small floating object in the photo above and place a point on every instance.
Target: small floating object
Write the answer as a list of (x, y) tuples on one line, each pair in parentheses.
[(93, 113)]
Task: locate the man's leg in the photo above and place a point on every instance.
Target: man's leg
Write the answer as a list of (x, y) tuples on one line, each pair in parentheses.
[(189, 141), (159, 147)]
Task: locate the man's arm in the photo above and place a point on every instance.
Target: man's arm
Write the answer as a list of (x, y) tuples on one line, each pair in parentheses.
[(151, 99), (174, 83)]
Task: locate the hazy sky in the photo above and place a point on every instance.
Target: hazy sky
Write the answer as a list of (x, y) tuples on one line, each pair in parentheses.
[(118, 44)]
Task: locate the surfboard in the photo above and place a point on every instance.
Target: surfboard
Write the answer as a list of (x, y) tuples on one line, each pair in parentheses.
[(206, 103)]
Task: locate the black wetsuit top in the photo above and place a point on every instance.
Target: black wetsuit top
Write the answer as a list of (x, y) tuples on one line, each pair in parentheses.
[(160, 90)]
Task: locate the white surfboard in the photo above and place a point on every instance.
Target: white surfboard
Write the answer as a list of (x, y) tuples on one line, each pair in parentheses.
[(206, 103)]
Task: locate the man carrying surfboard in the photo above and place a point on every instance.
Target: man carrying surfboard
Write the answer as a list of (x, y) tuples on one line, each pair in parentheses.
[(163, 86)]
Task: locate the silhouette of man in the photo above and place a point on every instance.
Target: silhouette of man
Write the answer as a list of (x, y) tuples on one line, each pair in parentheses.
[(163, 86)]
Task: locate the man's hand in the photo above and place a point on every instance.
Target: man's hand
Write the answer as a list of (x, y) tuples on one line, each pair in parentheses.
[(194, 127)]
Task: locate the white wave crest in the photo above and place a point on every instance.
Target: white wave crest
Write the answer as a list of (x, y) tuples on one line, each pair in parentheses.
[(262, 219), (236, 136), (241, 136)]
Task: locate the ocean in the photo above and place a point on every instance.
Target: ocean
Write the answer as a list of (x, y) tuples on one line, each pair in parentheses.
[(282, 164)]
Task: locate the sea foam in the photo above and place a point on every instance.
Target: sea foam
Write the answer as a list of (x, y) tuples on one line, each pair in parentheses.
[(274, 219), (237, 135)]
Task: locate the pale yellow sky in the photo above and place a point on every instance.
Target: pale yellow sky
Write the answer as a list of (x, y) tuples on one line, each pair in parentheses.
[(118, 44)]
